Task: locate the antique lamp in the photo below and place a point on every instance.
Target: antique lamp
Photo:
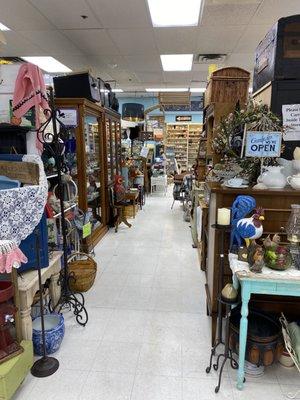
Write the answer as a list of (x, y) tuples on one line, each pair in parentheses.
[(133, 112), (293, 234)]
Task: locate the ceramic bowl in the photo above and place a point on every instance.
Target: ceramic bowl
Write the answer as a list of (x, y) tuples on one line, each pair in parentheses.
[(279, 259), (286, 360), (54, 333)]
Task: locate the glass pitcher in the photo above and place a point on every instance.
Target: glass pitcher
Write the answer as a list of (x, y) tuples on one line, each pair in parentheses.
[(293, 234)]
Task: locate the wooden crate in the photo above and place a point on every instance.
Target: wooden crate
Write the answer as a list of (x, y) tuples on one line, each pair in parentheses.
[(229, 84)]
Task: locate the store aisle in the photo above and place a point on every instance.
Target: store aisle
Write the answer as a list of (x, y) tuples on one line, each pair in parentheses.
[(148, 336)]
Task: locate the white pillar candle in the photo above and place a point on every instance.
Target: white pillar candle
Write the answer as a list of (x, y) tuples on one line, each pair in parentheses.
[(223, 216)]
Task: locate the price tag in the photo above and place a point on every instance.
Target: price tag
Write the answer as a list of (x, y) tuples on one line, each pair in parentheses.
[(86, 230)]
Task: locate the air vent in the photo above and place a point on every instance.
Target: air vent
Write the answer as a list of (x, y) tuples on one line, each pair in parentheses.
[(209, 58), (10, 60)]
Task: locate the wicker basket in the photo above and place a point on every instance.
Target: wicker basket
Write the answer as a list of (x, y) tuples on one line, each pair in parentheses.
[(84, 271)]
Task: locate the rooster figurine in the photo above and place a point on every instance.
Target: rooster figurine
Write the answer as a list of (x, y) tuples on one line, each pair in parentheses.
[(251, 228)]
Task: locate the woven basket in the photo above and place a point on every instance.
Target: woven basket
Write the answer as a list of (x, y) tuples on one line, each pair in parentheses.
[(83, 270)]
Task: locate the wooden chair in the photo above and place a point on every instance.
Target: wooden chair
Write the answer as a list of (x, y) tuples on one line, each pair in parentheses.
[(118, 212)]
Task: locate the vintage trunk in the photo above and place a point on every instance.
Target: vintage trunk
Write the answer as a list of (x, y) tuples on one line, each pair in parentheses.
[(275, 94), (278, 55)]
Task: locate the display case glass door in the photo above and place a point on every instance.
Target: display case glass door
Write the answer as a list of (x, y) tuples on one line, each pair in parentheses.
[(109, 151), (93, 151), (118, 146), (113, 148)]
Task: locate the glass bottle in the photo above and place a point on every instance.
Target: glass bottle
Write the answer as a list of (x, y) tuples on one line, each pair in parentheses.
[(293, 234)]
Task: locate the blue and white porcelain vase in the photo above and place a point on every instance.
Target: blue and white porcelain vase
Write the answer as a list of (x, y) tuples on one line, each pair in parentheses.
[(54, 333)]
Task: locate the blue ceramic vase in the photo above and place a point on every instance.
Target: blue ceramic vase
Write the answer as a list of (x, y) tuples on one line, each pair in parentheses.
[(54, 333)]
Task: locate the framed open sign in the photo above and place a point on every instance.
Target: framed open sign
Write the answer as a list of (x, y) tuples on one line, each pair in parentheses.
[(263, 144)]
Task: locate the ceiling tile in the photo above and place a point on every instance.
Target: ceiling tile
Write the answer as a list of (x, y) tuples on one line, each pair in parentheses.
[(242, 60), (175, 40), (150, 77), (200, 77), (66, 14), (251, 37), (108, 61), (223, 40), (17, 45), (178, 78), (271, 10), (75, 62), (122, 76), (144, 63), (20, 15), (52, 42), (134, 41), (229, 14), (92, 41), (121, 14)]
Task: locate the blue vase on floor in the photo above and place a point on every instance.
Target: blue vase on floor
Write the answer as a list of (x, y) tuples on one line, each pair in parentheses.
[(54, 333)]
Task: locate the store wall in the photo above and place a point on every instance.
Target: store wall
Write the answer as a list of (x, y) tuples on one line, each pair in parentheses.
[(170, 117)]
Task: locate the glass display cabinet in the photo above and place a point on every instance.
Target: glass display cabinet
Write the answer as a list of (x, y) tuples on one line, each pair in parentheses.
[(86, 159), (113, 141)]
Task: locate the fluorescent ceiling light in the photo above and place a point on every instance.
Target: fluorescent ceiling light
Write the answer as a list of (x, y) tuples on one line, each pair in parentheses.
[(48, 64), (3, 27), (166, 90), (197, 90), (117, 90), (177, 62), (174, 12)]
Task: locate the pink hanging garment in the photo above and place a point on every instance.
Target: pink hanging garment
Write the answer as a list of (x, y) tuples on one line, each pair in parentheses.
[(10, 256), (30, 91)]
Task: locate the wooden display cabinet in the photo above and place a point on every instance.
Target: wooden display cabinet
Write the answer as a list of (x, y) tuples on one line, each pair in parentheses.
[(112, 129), (88, 163), (277, 207)]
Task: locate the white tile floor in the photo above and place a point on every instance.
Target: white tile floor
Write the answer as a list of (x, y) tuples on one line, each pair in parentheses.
[(148, 336)]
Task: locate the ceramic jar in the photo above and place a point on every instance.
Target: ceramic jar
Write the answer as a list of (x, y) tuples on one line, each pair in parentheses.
[(54, 333), (294, 181), (273, 178)]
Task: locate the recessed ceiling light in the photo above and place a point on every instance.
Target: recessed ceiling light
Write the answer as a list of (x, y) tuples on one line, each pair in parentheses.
[(117, 90), (3, 27), (48, 64), (197, 90), (175, 12), (177, 62), (166, 90)]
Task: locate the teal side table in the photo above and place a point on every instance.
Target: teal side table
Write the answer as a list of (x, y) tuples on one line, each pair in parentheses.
[(272, 284)]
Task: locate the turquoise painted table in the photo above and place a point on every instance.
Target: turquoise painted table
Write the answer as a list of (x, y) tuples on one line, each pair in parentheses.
[(282, 284)]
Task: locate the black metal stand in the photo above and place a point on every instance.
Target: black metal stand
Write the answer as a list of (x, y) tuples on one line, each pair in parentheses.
[(46, 365), (227, 355), (54, 141)]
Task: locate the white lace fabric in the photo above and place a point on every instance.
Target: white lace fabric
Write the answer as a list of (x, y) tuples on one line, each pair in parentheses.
[(21, 209)]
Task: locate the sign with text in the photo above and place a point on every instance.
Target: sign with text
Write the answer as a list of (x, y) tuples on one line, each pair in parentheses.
[(263, 144), (183, 118), (68, 117), (291, 121)]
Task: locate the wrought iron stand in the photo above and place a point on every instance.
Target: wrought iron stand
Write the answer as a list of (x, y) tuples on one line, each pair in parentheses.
[(54, 142), (227, 354)]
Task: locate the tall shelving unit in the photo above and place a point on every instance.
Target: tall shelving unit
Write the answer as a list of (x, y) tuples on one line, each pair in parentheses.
[(184, 139)]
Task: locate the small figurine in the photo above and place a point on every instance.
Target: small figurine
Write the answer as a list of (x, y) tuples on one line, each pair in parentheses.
[(243, 254), (256, 258), (251, 228)]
